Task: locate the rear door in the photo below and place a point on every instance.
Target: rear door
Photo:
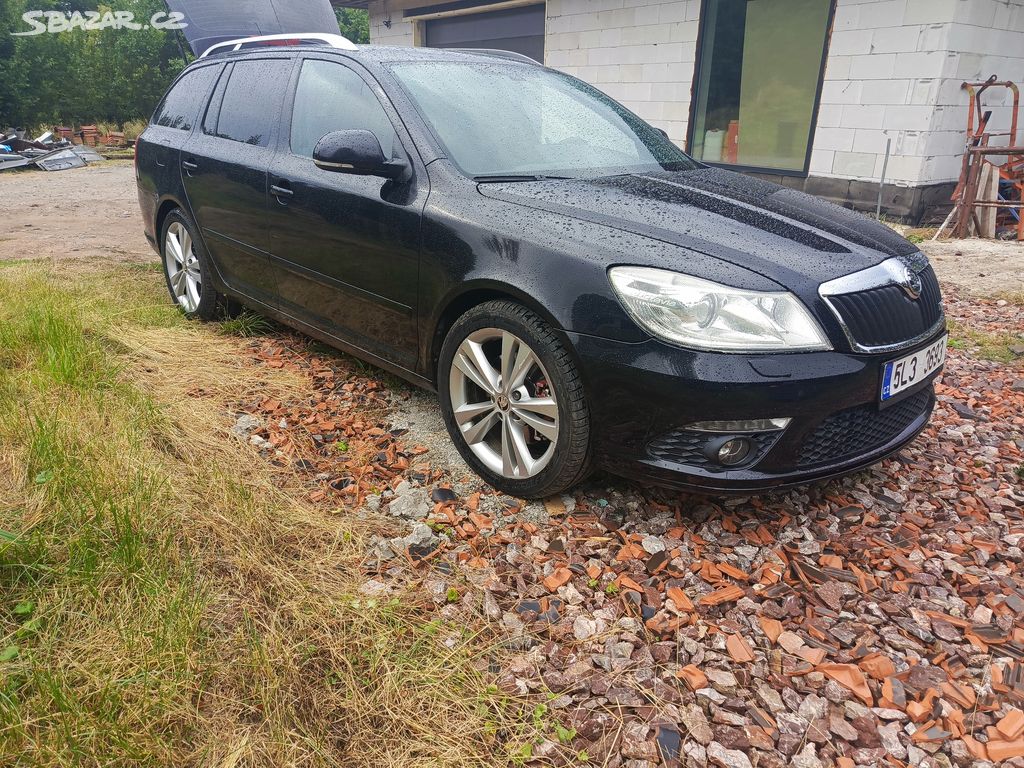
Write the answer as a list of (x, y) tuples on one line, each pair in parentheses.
[(159, 146), (224, 169), (347, 247)]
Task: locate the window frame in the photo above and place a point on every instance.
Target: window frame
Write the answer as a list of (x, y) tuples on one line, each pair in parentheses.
[(702, 40), (390, 111)]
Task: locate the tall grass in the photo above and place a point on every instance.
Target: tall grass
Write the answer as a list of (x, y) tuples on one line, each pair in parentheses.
[(165, 599)]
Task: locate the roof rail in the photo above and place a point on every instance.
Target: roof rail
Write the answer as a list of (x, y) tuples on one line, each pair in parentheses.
[(294, 38), (500, 54)]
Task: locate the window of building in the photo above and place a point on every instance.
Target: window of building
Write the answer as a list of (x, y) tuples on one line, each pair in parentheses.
[(252, 101), (758, 81), (331, 97)]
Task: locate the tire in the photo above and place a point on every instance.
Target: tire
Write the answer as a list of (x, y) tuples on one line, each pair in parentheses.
[(192, 288), (513, 435)]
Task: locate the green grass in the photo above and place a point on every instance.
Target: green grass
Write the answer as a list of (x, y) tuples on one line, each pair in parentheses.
[(246, 324), (165, 600), (988, 346)]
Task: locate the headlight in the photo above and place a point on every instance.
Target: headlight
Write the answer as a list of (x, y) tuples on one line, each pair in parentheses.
[(697, 313)]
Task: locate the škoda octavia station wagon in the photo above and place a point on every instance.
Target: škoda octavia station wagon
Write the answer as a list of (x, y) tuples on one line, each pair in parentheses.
[(579, 291)]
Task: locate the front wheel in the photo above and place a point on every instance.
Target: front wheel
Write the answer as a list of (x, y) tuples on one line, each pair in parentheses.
[(514, 402)]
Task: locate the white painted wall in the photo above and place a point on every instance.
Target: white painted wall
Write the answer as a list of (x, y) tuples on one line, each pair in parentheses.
[(894, 70)]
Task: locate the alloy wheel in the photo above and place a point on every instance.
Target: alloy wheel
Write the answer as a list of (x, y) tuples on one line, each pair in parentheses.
[(504, 404), (182, 263)]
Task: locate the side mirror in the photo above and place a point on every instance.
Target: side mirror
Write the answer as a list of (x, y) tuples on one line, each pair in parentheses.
[(355, 152)]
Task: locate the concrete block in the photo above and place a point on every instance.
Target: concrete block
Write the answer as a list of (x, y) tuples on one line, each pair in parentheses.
[(919, 64), (896, 39), (669, 13), (884, 92), (850, 42), (821, 161), (908, 117), (931, 11), (872, 141), (863, 116), (875, 66), (882, 13), (830, 115), (836, 139), (841, 92), (854, 165), (979, 13), (846, 17), (838, 67)]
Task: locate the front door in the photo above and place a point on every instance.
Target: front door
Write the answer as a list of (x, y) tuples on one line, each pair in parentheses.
[(346, 247), (224, 168)]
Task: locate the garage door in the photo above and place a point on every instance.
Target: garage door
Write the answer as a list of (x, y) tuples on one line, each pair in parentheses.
[(515, 29)]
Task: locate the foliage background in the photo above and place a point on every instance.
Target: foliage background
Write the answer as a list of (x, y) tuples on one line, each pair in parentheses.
[(104, 76)]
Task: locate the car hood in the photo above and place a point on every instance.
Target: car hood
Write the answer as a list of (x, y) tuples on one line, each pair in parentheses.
[(789, 237)]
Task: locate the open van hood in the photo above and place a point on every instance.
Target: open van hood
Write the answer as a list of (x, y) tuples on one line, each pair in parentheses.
[(214, 21)]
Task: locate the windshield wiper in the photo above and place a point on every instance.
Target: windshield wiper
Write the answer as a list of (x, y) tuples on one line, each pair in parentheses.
[(500, 177)]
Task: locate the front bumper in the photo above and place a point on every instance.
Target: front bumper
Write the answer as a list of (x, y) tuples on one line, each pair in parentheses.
[(642, 396)]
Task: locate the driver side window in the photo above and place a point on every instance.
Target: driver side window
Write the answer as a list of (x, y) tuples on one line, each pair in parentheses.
[(331, 97)]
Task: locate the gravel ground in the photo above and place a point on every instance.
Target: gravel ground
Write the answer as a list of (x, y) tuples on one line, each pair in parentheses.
[(875, 619)]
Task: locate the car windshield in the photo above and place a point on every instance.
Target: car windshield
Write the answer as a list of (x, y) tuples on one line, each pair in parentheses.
[(518, 120)]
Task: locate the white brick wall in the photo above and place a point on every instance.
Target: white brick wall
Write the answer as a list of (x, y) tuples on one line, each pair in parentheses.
[(644, 55), (894, 71)]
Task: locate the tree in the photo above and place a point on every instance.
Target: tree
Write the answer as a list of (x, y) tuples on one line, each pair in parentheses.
[(354, 24)]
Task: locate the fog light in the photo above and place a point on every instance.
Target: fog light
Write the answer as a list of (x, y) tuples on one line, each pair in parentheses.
[(733, 451)]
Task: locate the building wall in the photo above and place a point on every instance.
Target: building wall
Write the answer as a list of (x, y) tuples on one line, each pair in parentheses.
[(893, 71), (639, 52), (399, 32)]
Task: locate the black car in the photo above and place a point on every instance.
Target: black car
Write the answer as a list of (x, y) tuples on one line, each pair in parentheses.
[(579, 291)]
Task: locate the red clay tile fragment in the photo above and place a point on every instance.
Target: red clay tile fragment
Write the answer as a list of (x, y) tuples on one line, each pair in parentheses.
[(559, 577), (877, 666), (739, 649), (772, 628), (849, 676), (693, 677), (723, 595), (1012, 725), (679, 598)]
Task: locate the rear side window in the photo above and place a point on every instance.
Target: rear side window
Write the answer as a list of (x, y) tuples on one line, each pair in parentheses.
[(252, 101), (182, 103), (331, 97)]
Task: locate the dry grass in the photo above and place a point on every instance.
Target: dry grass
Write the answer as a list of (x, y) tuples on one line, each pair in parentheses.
[(165, 597)]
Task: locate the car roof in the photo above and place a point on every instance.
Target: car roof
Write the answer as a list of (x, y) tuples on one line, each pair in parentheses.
[(383, 54)]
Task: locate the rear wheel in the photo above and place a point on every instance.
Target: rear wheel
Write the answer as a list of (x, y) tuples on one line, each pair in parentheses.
[(187, 267), (513, 401)]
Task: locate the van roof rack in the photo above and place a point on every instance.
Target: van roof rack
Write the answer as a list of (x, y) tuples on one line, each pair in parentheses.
[(294, 38)]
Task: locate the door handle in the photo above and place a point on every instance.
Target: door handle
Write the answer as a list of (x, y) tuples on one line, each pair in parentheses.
[(189, 166), (279, 191)]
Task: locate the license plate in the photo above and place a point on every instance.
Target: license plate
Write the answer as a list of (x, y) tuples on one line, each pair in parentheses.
[(899, 375)]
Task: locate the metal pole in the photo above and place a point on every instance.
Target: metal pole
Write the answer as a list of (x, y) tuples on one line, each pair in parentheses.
[(881, 182)]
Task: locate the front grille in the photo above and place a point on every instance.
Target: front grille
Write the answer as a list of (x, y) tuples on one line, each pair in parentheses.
[(862, 429), (885, 315), (681, 446)]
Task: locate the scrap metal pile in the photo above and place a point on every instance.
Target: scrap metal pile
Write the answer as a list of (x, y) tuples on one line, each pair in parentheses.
[(988, 198), (44, 152)]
